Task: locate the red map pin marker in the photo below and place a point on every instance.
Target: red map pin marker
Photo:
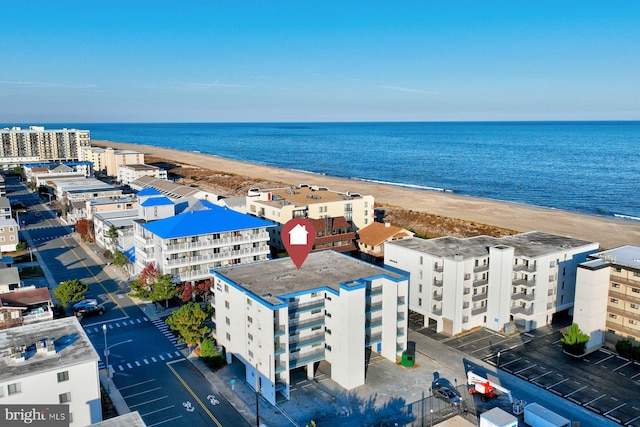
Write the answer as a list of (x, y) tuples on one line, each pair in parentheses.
[(298, 236)]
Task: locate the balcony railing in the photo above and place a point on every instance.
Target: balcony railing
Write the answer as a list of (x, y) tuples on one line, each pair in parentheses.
[(437, 283), (478, 297), (279, 331), (213, 243), (523, 282), (625, 329), (28, 318), (307, 306), (626, 297), (481, 268), (201, 259), (480, 282), (145, 241), (437, 297), (295, 326), (625, 313), (304, 342), (280, 349), (524, 267), (401, 300), (372, 308), (437, 311), (373, 323), (374, 291), (527, 311), (303, 359), (479, 310), (438, 268), (400, 332), (372, 339), (523, 296), (280, 367)]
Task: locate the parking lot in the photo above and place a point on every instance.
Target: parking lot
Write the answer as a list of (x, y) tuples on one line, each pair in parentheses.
[(602, 382)]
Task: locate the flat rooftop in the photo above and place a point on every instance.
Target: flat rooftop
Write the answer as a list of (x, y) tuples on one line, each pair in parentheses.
[(271, 279), (532, 244), (140, 167), (624, 256), (303, 195), (132, 419), (72, 347)]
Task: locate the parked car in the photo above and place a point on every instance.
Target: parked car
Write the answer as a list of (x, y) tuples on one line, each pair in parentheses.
[(86, 301), (89, 310), (443, 389)]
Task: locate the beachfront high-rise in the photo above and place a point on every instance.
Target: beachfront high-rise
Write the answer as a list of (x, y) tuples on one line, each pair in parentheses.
[(608, 295), (276, 317), (19, 145), (487, 281)]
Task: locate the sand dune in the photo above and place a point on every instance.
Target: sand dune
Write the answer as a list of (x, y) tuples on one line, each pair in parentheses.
[(608, 232)]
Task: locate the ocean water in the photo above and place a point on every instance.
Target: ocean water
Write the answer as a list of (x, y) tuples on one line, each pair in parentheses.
[(585, 167)]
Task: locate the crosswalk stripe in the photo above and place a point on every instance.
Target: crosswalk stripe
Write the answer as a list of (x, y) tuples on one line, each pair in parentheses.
[(120, 367), (138, 363), (139, 321), (170, 356), (132, 322), (146, 362), (160, 356), (117, 324), (145, 319), (177, 353), (96, 330), (129, 365), (110, 326)]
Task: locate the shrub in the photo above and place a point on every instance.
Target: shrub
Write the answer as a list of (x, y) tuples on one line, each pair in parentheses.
[(22, 246), (210, 355), (574, 340), (624, 348)]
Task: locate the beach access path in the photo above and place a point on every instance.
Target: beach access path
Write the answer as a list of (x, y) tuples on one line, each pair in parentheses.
[(609, 232)]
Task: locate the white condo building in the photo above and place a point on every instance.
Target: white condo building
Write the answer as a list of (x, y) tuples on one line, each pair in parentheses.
[(41, 144), (190, 244), (277, 318), (51, 363), (486, 281)]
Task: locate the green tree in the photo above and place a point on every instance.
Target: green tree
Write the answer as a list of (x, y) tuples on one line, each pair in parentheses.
[(153, 286), (189, 322), (112, 235), (574, 340), (70, 291), (163, 289), (119, 259)]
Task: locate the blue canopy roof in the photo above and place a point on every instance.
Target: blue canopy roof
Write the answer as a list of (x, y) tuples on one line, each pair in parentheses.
[(194, 223), (157, 201), (149, 192)]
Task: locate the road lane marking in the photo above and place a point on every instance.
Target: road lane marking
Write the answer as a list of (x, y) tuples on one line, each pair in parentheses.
[(195, 396)]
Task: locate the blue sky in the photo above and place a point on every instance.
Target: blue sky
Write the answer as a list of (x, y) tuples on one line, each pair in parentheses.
[(248, 61)]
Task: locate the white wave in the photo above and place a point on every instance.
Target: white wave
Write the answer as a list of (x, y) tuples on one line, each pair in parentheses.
[(397, 184), (634, 218)]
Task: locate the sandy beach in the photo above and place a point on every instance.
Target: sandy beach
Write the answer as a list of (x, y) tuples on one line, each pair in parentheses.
[(609, 232)]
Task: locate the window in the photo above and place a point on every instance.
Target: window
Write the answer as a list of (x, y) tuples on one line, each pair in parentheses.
[(226, 288), (635, 290), (420, 273), (420, 288), (250, 353), (249, 319), (249, 302), (614, 300), (228, 336), (63, 376), (633, 322), (14, 388), (467, 276), (226, 304), (420, 302), (617, 269), (227, 321), (615, 285), (634, 306), (613, 316), (65, 397), (636, 273), (316, 311), (250, 336)]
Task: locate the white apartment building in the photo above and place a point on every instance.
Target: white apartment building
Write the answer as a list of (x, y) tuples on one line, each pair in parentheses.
[(275, 317), (129, 173), (51, 363), (608, 295), (109, 159), (190, 244), (487, 281), (304, 201), (40, 173), (40, 144)]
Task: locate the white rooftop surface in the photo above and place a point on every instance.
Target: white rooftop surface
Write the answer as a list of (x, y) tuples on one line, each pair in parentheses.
[(531, 244), (274, 278), (132, 419), (75, 184), (72, 347), (499, 417), (626, 256)]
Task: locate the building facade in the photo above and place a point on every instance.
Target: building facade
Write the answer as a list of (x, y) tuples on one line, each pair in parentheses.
[(275, 318), (129, 173), (24, 306), (608, 295), (8, 235), (41, 144), (460, 284), (190, 244), (51, 363), (371, 240)]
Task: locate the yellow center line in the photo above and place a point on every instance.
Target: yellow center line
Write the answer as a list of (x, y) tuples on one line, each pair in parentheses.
[(215, 420), (99, 283)]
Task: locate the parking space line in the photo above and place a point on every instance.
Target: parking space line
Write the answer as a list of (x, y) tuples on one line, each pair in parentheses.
[(621, 366), (575, 391), (540, 376), (597, 398), (635, 375), (134, 385), (142, 392), (606, 358), (629, 422), (165, 421), (514, 360), (617, 407), (148, 401), (524, 369), (157, 410)]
